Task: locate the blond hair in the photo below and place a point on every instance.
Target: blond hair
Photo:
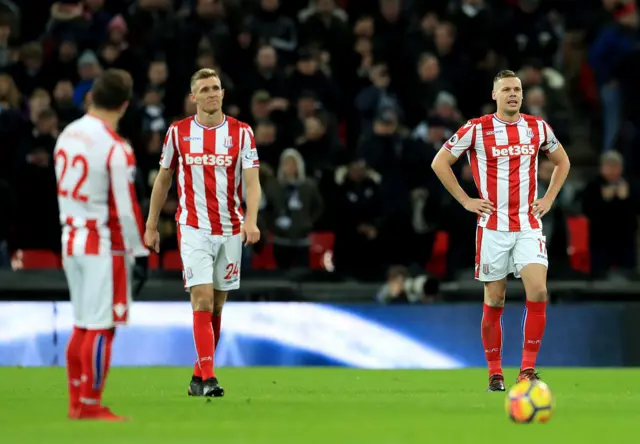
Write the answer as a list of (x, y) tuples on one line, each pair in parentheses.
[(204, 73)]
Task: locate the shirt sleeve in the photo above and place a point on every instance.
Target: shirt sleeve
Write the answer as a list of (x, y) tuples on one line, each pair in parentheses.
[(248, 151), (122, 172), (464, 139), (169, 157), (550, 142)]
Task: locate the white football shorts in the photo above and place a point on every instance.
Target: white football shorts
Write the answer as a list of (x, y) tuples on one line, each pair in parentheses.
[(499, 253), (210, 259), (100, 289)]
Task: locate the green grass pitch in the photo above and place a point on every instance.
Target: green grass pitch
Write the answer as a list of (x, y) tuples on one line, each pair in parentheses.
[(320, 405)]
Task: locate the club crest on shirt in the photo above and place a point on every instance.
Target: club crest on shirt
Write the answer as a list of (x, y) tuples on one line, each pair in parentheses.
[(529, 133), (228, 142)]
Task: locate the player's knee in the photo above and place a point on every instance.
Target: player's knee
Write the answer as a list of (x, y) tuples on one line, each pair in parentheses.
[(219, 298), (202, 304), (494, 294), (537, 293), (494, 301), (217, 308), (201, 299)]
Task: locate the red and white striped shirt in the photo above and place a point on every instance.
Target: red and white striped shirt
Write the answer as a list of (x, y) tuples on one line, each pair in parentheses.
[(99, 210), (504, 162), (209, 163)]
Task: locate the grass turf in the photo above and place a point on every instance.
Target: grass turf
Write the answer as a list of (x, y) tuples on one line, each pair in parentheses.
[(320, 405)]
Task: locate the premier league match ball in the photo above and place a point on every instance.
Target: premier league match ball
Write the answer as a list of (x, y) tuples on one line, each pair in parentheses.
[(529, 402)]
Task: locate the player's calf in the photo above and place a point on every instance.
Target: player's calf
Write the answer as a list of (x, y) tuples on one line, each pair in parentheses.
[(491, 327), (96, 360), (534, 321), (219, 299), (74, 369), (202, 303)]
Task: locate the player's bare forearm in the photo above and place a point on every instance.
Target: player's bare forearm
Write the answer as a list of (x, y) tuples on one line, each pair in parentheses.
[(441, 165), (560, 172), (254, 194), (159, 196)]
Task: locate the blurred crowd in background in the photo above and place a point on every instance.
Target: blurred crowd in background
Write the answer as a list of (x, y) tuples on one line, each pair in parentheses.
[(349, 101)]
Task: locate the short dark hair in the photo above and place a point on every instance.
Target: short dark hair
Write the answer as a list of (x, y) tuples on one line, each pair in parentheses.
[(504, 74), (112, 89)]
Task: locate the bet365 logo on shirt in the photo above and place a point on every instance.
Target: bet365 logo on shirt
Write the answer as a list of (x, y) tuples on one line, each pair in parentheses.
[(221, 160)]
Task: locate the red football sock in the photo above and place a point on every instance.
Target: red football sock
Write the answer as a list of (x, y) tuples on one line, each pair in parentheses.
[(535, 319), (217, 323), (203, 336), (74, 366), (196, 370), (492, 337), (96, 360)]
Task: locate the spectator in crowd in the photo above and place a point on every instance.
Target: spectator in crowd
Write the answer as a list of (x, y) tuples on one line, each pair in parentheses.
[(66, 110), (360, 216), (402, 288), (274, 28), (375, 98), (610, 202), (293, 206), (611, 45)]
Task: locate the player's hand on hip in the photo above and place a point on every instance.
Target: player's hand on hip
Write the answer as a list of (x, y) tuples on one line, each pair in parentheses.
[(481, 207), (541, 206), (250, 234), (152, 239)]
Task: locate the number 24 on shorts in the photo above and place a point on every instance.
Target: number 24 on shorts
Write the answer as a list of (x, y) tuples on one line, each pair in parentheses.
[(232, 271)]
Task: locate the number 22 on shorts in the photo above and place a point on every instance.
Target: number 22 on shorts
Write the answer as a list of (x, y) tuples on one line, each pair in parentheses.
[(232, 271)]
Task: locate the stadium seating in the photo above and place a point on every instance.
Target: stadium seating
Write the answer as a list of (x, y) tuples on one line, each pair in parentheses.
[(321, 244), (171, 260), (438, 263), (579, 256), (154, 261), (264, 260), (36, 259)]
